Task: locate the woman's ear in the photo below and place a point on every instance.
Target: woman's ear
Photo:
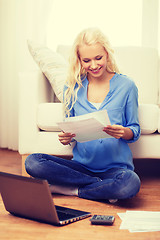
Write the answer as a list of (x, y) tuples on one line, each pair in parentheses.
[(107, 55)]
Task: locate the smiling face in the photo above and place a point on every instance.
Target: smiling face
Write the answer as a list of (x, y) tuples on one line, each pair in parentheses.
[(94, 60)]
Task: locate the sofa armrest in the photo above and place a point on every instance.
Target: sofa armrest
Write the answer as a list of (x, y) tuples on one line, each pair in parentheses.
[(33, 89)]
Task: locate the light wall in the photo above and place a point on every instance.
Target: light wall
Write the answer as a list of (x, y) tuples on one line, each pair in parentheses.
[(125, 22)]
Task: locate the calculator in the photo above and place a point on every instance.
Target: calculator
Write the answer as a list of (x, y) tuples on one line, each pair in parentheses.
[(102, 220)]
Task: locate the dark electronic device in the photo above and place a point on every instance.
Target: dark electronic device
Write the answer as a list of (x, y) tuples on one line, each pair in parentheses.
[(31, 198), (102, 220)]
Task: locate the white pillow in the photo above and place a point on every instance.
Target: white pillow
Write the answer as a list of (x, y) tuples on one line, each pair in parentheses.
[(52, 64)]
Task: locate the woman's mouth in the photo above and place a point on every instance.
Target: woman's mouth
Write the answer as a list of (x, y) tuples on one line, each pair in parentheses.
[(95, 71)]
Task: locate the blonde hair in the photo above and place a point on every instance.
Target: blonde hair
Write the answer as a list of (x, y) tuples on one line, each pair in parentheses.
[(76, 73)]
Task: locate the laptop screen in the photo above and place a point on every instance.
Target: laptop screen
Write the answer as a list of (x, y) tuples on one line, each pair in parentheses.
[(31, 198)]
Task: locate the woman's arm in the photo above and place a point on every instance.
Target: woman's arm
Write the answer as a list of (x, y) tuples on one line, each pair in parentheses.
[(130, 131)]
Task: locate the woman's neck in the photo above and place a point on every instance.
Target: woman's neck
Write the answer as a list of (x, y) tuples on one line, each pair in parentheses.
[(105, 78)]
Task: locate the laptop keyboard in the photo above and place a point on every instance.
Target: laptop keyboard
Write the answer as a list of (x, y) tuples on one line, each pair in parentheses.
[(64, 213), (69, 214), (63, 216)]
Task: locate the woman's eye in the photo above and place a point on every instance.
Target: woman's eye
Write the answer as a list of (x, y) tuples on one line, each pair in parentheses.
[(99, 58), (96, 58), (86, 60)]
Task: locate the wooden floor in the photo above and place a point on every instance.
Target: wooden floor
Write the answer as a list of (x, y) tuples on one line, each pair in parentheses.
[(14, 228)]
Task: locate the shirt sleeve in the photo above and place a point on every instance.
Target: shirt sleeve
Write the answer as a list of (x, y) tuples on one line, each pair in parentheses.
[(131, 112)]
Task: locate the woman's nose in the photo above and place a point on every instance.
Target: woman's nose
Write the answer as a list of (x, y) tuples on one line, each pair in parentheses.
[(93, 65)]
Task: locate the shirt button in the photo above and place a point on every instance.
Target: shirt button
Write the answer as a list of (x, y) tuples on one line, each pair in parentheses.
[(100, 140)]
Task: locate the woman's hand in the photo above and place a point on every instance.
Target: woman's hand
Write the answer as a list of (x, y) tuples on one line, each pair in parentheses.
[(119, 131), (65, 138)]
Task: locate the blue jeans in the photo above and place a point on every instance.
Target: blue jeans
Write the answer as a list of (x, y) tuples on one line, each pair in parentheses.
[(116, 183)]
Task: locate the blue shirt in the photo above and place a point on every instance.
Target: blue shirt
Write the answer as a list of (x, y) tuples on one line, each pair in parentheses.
[(121, 103)]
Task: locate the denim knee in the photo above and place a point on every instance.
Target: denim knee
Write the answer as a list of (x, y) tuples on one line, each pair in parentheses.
[(125, 184), (129, 184), (31, 163)]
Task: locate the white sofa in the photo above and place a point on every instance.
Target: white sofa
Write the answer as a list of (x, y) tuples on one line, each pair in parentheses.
[(39, 109)]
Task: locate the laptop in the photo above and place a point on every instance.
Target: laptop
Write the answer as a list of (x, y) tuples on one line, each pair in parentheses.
[(31, 198)]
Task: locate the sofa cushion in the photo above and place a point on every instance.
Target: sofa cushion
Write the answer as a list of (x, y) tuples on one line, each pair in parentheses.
[(148, 118), (50, 113), (159, 121), (141, 64), (52, 64)]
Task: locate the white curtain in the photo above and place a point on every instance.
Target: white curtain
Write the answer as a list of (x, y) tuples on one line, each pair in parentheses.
[(19, 20)]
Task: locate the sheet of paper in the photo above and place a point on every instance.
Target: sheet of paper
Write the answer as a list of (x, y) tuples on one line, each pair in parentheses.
[(140, 221), (101, 116), (87, 127)]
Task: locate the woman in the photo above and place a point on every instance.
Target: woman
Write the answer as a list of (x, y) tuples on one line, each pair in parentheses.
[(101, 169)]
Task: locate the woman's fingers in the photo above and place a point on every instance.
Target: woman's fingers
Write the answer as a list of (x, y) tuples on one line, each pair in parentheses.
[(65, 138), (116, 131)]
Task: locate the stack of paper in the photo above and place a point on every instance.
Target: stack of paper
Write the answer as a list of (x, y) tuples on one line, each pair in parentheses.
[(140, 221), (87, 127)]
